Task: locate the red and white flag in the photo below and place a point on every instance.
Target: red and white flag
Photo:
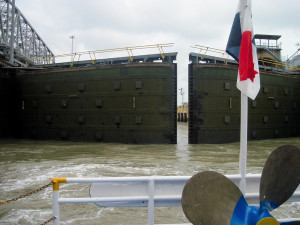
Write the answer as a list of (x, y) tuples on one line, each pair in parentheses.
[(242, 48)]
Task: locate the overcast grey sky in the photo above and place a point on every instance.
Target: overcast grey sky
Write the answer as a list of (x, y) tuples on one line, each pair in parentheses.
[(102, 24)]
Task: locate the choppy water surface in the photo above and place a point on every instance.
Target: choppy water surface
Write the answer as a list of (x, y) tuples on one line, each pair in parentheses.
[(28, 164)]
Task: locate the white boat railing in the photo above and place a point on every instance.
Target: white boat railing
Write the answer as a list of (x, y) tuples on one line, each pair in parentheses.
[(151, 192)]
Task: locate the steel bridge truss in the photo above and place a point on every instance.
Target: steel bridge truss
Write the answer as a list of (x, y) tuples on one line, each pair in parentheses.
[(20, 44)]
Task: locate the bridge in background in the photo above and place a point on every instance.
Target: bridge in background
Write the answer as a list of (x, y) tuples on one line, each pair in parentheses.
[(18, 39)]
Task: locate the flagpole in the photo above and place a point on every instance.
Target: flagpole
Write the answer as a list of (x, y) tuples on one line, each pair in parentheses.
[(243, 141), (241, 47)]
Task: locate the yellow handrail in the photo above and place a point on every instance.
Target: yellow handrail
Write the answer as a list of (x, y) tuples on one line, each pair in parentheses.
[(277, 64), (94, 52), (209, 49), (264, 62)]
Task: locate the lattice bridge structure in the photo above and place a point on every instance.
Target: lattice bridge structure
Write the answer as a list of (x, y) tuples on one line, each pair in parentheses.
[(20, 44)]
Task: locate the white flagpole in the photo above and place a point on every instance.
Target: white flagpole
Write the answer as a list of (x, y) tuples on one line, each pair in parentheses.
[(243, 141), (248, 84)]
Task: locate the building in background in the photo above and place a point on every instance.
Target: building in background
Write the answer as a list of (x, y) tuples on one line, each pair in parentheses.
[(183, 112)]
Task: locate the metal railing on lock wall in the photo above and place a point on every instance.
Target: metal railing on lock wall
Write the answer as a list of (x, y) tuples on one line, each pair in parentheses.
[(265, 63), (93, 54)]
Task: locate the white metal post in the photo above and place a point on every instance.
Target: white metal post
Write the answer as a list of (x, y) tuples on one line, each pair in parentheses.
[(243, 141), (72, 57), (151, 202), (55, 206)]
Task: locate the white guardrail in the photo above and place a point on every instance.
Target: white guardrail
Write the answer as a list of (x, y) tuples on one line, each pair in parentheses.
[(156, 191)]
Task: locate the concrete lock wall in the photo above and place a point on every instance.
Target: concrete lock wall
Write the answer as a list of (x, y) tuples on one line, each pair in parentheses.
[(214, 102), (127, 103), (136, 103)]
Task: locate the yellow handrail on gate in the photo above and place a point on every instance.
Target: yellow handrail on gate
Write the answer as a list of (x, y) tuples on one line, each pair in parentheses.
[(204, 50), (129, 51)]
